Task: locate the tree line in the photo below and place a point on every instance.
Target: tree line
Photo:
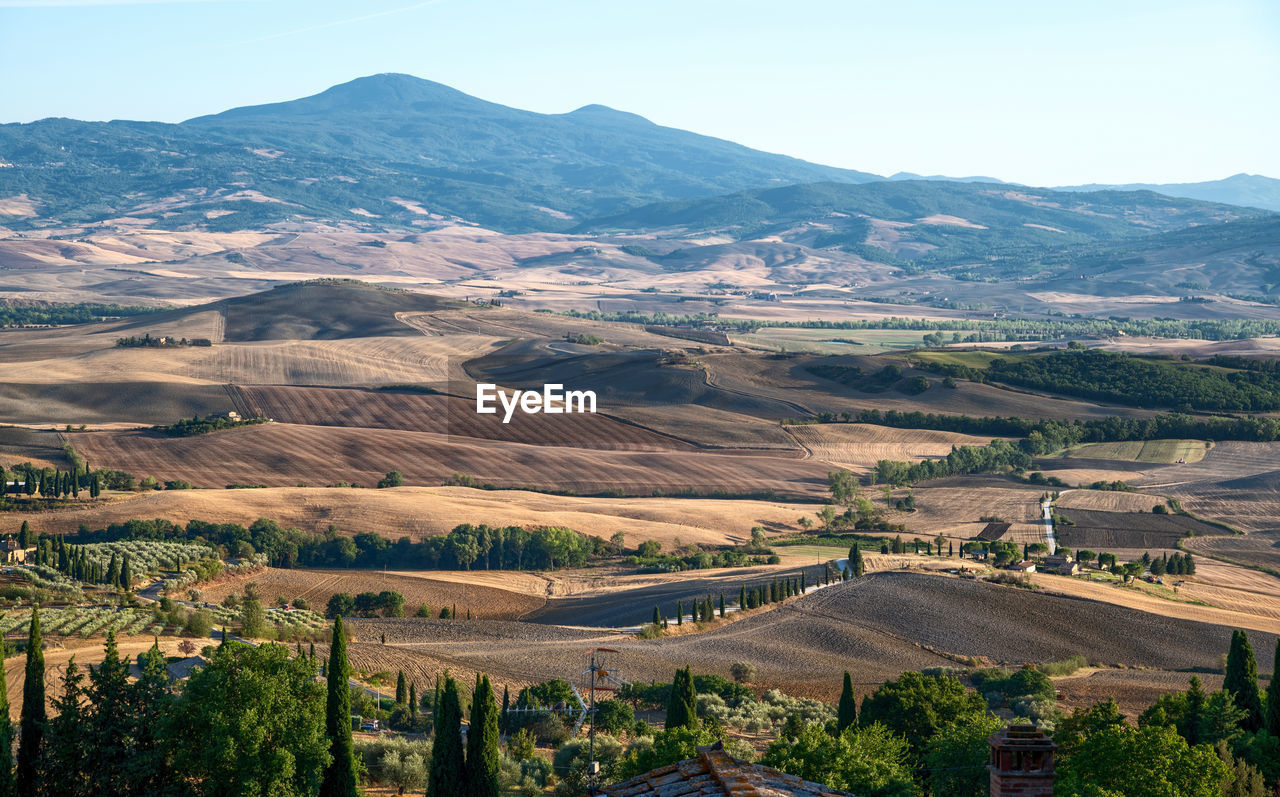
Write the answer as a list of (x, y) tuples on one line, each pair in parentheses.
[(253, 720), (466, 547), (195, 425)]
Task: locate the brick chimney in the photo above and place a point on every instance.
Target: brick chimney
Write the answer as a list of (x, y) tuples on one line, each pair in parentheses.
[(1021, 762)]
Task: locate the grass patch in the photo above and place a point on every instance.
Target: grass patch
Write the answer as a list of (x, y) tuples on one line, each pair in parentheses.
[(1156, 451), (1057, 669)]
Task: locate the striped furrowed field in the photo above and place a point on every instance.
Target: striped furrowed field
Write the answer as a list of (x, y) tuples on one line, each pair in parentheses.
[(289, 455), (441, 414)]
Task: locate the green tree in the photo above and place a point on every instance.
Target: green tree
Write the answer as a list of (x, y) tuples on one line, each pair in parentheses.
[(402, 689), (1241, 679), (847, 712), (843, 486), (669, 746), (7, 786), (251, 722), (339, 778), (253, 618), (1141, 762), (66, 747), (31, 724), (918, 706), (447, 777), (146, 769), (482, 742), (955, 757), (107, 732), (1272, 720), (393, 479), (682, 706), (870, 761)]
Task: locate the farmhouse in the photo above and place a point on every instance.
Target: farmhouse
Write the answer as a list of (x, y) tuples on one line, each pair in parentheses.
[(1062, 565), (13, 552), (714, 772), (1024, 567)]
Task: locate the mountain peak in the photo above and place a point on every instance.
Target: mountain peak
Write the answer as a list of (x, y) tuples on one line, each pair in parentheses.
[(387, 91)]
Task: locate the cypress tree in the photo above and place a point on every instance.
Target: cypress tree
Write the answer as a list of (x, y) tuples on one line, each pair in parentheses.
[(106, 731), (126, 575), (506, 706), (722, 604), (1195, 711), (6, 731), (803, 585), (482, 742), (24, 535), (402, 689), (32, 723), (1272, 721), (657, 616), (340, 776), (413, 700), (682, 705), (447, 777), (1242, 680), (67, 748), (679, 612), (742, 596), (859, 566), (847, 714), (951, 549)]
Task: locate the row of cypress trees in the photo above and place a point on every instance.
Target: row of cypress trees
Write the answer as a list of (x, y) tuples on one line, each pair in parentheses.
[(56, 483)]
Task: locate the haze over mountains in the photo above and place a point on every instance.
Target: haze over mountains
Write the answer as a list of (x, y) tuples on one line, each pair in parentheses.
[(390, 163), (395, 150)]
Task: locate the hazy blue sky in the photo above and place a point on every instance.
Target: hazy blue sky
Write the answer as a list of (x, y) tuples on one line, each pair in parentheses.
[(1037, 92)]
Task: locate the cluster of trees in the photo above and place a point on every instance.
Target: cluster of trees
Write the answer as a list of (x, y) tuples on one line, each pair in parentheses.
[(195, 425), (387, 603), (28, 480), (74, 561), (466, 547), (146, 341), (977, 330), (707, 608), (999, 455), (25, 313)]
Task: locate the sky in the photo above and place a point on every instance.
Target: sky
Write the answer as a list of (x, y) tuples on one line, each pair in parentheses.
[(1061, 93)]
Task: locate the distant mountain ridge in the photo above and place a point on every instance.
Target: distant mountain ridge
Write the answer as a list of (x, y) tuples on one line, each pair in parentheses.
[(1245, 190), (390, 147), (397, 152)]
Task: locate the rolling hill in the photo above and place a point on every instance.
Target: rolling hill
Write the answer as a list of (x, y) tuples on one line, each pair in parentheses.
[(380, 150), (1246, 190)]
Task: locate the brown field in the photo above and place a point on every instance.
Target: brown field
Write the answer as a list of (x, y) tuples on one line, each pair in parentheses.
[(954, 510), (1106, 501), (286, 454), (450, 415), (1107, 530), (1261, 549), (858, 446), (317, 586), (877, 627), (429, 511), (1232, 607)]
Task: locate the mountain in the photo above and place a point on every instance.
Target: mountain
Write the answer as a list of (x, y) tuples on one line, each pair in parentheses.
[(1245, 190), (385, 150), (926, 224), (942, 178)]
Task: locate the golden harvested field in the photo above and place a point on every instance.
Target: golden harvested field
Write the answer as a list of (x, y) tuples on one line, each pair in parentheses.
[(858, 446), (1241, 613), (451, 415), (429, 511), (317, 586), (285, 454), (365, 361), (1158, 451), (1260, 549), (1106, 500), (954, 511)]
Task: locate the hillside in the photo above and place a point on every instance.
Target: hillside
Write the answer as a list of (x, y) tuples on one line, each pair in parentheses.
[(1247, 190), (929, 222), (386, 150)]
